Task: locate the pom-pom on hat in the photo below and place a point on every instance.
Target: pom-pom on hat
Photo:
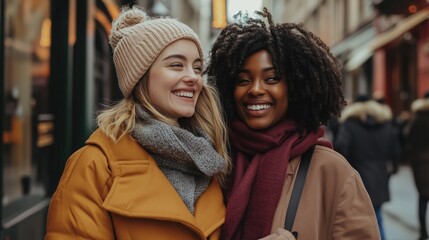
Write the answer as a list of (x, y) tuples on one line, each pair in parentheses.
[(137, 40)]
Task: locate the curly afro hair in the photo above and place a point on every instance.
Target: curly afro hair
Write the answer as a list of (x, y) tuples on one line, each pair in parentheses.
[(312, 72)]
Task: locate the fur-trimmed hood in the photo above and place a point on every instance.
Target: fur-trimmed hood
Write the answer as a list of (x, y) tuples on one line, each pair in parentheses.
[(420, 105), (364, 111)]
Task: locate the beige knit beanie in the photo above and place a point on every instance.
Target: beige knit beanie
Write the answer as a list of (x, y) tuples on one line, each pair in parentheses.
[(137, 40)]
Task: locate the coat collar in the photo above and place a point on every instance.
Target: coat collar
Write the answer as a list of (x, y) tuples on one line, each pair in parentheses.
[(141, 190), (363, 110), (420, 105)]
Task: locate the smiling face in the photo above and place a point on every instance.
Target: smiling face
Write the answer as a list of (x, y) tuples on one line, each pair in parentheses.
[(261, 99), (175, 80)]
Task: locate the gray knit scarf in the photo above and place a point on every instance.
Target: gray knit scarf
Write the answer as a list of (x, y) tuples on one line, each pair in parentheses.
[(188, 160)]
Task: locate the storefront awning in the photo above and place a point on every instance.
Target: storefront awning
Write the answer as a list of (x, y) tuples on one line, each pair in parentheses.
[(346, 46), (363, 53)]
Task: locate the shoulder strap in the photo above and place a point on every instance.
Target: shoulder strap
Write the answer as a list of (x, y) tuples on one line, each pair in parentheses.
[(297, 188)]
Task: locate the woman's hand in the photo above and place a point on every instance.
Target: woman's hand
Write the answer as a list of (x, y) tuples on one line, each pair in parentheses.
[(280, 234)]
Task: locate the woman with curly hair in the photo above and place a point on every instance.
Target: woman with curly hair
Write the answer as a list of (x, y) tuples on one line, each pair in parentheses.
[(279, 83)]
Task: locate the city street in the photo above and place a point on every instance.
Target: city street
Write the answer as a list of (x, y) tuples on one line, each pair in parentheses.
[(400, 214)]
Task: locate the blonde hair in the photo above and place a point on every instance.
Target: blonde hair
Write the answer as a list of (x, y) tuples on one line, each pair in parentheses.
[(119, 120)]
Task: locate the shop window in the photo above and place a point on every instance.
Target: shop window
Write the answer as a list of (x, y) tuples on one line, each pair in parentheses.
[(28, 127)]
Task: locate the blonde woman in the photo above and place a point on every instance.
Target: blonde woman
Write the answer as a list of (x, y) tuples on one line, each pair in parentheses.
[(154, 167)]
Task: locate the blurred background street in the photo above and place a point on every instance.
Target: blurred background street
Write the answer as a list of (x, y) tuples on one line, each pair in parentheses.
[(400, 214)]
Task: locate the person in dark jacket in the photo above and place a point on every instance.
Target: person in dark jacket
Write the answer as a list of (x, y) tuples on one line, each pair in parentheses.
[(368, 140), (417, 151)]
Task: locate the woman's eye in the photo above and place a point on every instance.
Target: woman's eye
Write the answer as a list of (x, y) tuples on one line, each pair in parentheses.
[(198, 69), (176, 65), (272, 80), (242, 81)]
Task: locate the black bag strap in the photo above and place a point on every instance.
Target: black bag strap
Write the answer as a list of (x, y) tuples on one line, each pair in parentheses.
[(297, 188)]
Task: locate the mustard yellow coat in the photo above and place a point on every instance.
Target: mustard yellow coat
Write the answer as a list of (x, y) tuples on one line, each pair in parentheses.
[(116, 191)]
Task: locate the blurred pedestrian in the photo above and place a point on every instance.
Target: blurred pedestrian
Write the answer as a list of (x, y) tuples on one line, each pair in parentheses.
[(417, 147), (368, 139), (279, 83), (152, 169), (396, 128), (332, 128), (402, 121)]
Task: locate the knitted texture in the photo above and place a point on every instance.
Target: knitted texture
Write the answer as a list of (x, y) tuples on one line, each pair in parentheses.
[(137, 40), (188, 160)]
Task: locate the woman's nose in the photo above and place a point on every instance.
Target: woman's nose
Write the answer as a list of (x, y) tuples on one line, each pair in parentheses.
[(256, 88), (190, 76)]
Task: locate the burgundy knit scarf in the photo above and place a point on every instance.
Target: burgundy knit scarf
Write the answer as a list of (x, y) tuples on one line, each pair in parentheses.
[(260, 160)]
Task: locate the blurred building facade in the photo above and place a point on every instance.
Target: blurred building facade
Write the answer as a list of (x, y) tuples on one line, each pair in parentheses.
[(383, 45)]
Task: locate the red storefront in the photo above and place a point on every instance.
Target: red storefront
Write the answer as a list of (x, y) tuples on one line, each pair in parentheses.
[(398, 54)]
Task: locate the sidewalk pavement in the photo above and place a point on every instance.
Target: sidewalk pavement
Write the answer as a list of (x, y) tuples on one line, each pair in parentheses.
[(400, 214)]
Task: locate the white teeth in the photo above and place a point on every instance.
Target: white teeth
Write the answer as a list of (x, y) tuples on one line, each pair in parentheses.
[(184, 94), (258, 107)]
